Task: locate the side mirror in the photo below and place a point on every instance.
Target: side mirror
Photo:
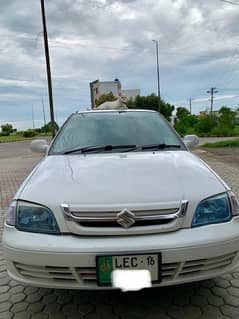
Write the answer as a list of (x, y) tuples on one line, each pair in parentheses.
[(191, 140), (39, 146)]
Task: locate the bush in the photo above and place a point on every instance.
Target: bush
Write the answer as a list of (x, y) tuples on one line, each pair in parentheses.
[(222, 130), (236, 131), (221, 123), (29, 133), (47, 128), (4, 133), (186, 123), (206, 124)]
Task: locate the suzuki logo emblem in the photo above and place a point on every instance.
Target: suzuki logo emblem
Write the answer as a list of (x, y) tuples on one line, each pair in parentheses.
[(126, 218)]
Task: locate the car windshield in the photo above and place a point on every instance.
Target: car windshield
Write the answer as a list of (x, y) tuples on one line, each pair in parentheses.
[(96, 129)]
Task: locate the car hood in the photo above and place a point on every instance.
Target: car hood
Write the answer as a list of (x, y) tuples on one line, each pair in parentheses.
[(110, 180)]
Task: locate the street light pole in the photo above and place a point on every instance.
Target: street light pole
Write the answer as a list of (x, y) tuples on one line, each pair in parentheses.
[(157, 56), (48, 67), (33, 119), (190, 105)]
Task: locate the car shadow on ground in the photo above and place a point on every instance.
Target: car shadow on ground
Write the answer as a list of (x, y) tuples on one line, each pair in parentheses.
[(194, 300)]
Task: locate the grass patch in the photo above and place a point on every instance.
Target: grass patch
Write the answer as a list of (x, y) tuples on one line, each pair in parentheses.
[(44, 134), (13, 138), (17, 137), (229, 143)]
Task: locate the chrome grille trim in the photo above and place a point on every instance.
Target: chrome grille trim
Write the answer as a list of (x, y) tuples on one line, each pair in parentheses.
[(113, 216)]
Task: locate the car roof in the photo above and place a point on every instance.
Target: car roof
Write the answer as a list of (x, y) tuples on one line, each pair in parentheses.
[(115, 111)]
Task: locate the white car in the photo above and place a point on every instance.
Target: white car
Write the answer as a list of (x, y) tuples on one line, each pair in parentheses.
[(119, 190)]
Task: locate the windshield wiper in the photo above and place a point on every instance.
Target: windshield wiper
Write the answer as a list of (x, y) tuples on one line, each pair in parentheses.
[(159, 146), (103, 148), (152, 147)]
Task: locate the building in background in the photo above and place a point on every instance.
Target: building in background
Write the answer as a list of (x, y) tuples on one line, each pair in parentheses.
[(98, 88)]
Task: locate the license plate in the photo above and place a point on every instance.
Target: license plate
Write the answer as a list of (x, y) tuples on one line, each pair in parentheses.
[(107, 264)]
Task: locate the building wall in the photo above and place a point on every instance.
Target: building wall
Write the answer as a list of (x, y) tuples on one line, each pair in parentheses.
[(107, 87), (98, 88)]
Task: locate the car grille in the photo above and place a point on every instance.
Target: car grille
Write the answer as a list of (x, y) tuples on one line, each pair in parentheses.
[(79, 276), (196, 267), (57, 274), (114, 224), (124, 222), (109, 219)]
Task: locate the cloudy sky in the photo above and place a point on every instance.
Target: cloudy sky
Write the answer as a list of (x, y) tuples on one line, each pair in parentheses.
[(108, 39)]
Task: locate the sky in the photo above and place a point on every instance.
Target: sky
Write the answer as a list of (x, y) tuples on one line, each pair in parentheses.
[(107, 39)]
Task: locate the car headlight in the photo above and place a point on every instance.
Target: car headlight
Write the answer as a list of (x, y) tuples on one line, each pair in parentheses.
[(33, 218), (213, 210)]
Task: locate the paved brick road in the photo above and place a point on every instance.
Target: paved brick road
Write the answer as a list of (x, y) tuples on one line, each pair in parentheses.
[(218, 298)]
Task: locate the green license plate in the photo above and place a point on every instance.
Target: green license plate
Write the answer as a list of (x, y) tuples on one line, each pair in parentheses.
[(107, 264)]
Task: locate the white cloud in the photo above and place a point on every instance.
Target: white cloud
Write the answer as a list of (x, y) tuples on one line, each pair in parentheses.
[(105, 39)]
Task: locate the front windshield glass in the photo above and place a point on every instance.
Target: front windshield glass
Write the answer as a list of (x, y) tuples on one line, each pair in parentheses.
[(114, 128)]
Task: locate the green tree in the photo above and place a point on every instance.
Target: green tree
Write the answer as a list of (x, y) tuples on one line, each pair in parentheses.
[(151, 102), (185, 122), (227, 117), (166, 109), (221, 123), (226, 122), (182, 112), (7, 128), (47, 128), (109, 97)]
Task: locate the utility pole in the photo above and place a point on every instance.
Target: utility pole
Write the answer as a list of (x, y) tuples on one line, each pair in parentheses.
[(48, 68), (212, 91), (43, 110), (157, 57)]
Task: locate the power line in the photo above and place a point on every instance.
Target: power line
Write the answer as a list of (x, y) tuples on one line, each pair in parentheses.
[(229, 89), (230, 2)]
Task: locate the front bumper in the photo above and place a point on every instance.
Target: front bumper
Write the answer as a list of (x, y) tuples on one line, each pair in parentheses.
[(68, 261)]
